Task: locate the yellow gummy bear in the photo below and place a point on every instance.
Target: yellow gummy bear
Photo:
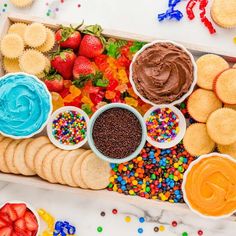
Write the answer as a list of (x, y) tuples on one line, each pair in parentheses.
[(75, 91), (57, 101), (131, 101), (122, 76), (87, 100)]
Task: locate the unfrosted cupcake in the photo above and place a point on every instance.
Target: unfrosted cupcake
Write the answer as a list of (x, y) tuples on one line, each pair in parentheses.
[(221, 126), (202, 103), (197, 141)]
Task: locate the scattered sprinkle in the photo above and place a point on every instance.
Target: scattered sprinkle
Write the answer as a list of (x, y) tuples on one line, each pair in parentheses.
[(99, 229), (127, 219), (140, 230), (141, 220), (162, 228)]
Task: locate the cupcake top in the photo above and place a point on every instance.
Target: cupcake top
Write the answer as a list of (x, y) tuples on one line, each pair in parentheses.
[(197, 141), (228, 149), (221, 126), (162, 73), (202, 103), (209, 185)]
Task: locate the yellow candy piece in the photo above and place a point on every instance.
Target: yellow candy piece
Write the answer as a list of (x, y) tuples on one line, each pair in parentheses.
[(131, 101), (57, 101), (87, 100), (127, 219), (122, 76), (75, 91), (47, 218), (122, 88)]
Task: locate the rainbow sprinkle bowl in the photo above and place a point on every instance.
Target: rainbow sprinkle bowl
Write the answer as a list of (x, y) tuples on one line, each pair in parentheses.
[(165, 125), (67, 128)]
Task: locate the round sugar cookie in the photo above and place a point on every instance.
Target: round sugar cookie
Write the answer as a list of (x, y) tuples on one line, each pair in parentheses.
[(21, 3), (76, 170), (223, 13), (208, 67), (40, 156), (202, 103), (35, 35), (66, 168), (12, 46), (47, 165), (56, 166), (49, 43), (221, 126), (3, 147), (32, 62), (197, 141), (95, 172), (11, 65), (18, 28), (19, 158), (228, 149), (32, 148), (225, 86), (9, 156)]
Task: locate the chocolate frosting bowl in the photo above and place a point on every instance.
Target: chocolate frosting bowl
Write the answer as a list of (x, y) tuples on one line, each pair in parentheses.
[(163, 73)]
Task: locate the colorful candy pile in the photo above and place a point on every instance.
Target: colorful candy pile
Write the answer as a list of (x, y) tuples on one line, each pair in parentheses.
[(155, 174), (69, 128), (162, 125)]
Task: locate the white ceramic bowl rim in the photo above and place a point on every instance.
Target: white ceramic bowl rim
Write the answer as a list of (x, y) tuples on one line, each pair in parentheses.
[(193, 163), (30, 208), (50, 104), (194, 72), (182, 126), (90, 129), (49, 128)]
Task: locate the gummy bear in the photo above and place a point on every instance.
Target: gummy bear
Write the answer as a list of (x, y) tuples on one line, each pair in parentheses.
[(110, 94), (123, 61), (122, 88), (97, 97), (122, 75), (57, 101), (89, 88), (131, 101), (75, 102), (117, 97), (75, 91), (64, 92), (86, 108), (69, 98), (132, 93), (101, 104), (101, 62), (87, 100), (113, 83)]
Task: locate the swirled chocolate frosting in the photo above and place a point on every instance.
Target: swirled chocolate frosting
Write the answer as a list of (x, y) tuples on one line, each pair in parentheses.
[(163, 73)]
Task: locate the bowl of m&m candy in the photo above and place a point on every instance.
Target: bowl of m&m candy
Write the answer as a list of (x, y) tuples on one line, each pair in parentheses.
[(165, 125), (67, 128)]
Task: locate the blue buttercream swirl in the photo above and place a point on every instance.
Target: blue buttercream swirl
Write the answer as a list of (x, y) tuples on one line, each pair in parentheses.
[(25, 105)]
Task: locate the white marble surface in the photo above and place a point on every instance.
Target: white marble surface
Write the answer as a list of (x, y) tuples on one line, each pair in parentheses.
[(83, 211)]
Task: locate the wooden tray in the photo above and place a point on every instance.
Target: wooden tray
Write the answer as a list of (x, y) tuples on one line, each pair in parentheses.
[(197, 51)]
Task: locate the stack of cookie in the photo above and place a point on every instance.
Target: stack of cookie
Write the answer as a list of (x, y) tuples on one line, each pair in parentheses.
[(77, 168), (23, 48), (217, 82)]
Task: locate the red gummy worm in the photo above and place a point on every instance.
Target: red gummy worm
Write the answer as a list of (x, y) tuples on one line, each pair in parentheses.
[(191, 4)]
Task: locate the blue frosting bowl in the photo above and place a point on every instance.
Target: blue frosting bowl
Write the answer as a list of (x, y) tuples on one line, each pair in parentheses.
[(25, 105), (90, 133)]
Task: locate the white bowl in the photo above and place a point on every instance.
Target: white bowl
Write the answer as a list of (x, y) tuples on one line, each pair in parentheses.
[(31, 209), (182, 127), (184, 185), (49, 128), (194, 72), (50, 104), (90, 132)]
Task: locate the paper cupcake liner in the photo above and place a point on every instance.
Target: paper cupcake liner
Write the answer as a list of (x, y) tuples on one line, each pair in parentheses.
[(215, 86), (192, 164), (227, 149), (49, 43), (194, 73), (11, 65), (18, 28), (22, 3)]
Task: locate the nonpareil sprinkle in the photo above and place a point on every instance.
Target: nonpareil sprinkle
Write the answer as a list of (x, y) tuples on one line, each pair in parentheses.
[(117, 133), (69, 128), (162, 125)]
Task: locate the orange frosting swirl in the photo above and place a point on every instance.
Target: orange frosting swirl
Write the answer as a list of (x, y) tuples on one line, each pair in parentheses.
[(210, 186)]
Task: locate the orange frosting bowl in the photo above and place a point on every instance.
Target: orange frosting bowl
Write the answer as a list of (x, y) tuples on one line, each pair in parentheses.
[(209, 186)]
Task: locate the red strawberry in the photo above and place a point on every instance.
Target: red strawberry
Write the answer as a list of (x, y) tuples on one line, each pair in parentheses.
[(54, 83), (6, 231), (68, 37), (63, 62), (21, 232), (3, 222), (82, 66), (31, 222), (20, 223), (93, 42), (20, 209), (7, 208), (5, 217)]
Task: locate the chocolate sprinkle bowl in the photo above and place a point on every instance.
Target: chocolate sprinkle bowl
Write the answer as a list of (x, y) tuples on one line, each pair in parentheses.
[(117, 133)]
